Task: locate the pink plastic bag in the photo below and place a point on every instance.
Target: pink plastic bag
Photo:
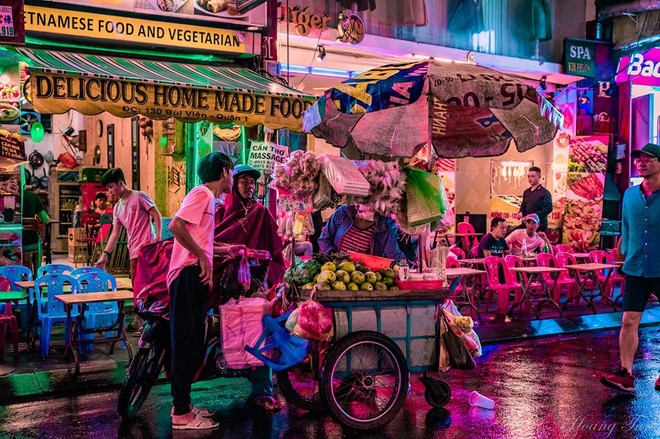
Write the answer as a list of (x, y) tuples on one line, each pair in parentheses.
[(241, 324), (310, 321)]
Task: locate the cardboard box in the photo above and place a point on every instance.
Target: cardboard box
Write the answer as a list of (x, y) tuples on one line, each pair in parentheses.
[(80, 257)]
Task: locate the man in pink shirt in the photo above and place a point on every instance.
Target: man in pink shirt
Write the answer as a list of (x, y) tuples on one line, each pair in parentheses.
[(134, 212), (189, 281), (533, 241)]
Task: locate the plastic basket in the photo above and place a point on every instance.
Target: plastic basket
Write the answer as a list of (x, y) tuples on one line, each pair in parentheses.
[(419, 284)]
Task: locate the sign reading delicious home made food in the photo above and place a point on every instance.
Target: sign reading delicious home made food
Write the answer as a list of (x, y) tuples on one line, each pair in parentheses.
[(57, 93), (96, 26)]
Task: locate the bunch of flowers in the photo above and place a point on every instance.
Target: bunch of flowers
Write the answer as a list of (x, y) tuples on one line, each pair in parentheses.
[(387, 185), (297, 178)]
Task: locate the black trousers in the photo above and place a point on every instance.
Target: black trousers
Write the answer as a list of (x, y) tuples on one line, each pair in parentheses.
[(187, 314)]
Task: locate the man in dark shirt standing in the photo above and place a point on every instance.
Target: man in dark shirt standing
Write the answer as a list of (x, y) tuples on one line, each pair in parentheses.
[(536, 199)]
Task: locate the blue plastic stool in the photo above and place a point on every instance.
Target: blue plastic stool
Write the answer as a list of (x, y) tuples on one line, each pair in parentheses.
[(293, 349)]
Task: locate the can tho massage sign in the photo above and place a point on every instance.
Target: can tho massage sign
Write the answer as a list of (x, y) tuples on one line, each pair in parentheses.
[(56, 94)]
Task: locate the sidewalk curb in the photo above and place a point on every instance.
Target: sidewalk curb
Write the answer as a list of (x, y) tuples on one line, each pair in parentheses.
[(110, 373)]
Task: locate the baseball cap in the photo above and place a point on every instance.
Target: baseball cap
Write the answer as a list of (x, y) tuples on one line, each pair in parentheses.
[(532, 216), (650, 149), (246, 169)]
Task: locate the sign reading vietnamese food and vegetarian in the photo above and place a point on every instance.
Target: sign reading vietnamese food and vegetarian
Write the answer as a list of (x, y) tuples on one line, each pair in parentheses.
[(98, 26)]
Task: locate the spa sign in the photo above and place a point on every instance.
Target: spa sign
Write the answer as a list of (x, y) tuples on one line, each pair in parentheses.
[(130, 30), (56, 94)]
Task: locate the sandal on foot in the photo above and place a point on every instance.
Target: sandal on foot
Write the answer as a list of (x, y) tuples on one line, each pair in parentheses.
[(202, 412), (197, 423), (268, 402), (197, 411)]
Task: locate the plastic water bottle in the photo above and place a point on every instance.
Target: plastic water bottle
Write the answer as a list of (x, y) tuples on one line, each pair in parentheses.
[(404, 270), (524, 248)]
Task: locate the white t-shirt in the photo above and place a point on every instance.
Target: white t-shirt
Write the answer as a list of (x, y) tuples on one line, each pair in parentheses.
[(197, 211), (515, 242), (133, 215)]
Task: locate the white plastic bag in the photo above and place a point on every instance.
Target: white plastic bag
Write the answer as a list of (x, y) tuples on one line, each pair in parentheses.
[(344, 177)]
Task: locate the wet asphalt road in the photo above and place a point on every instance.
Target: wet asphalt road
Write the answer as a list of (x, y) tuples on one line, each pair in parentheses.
[(545, 388)]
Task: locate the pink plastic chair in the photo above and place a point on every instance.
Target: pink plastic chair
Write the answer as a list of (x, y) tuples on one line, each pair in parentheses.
[(8, 320), (563, 248), (452, 262), (460, 254), (564, 259), (602, 257), (475, 250), (493, 264), (564, 279), (467, 241), (513, 261)]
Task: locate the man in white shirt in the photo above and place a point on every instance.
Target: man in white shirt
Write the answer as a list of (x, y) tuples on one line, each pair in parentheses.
[(189, 281), (527, 237), (134, 212)]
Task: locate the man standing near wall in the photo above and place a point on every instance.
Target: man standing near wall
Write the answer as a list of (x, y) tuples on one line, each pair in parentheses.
[(536, 199)]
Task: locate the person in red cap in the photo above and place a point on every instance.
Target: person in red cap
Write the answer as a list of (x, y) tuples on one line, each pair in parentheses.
[(640, 246)]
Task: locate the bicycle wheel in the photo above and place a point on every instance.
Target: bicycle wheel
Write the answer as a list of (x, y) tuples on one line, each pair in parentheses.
[(364, 380), (299, 386), (140, 378)]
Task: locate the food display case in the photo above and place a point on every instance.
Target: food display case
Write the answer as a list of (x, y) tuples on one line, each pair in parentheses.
[(65, 197)]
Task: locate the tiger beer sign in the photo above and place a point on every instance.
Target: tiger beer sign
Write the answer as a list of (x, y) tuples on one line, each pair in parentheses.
[(56, 94)]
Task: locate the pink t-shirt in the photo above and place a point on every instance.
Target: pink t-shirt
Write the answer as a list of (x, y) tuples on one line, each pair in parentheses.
[(133, 215), (515, 241), (197, 211)]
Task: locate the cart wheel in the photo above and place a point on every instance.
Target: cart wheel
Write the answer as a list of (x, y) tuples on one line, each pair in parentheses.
[(437, 393), (364, 380), (300, 387)]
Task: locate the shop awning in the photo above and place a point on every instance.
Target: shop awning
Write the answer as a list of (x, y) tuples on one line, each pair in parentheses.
[(92, 84)]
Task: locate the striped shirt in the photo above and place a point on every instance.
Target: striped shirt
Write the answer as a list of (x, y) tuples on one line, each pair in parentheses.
[(356, 240)]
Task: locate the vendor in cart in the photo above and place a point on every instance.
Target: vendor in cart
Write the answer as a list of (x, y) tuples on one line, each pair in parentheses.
[(359, 228)]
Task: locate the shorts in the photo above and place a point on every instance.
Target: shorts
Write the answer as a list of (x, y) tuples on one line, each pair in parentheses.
[(637, 292)]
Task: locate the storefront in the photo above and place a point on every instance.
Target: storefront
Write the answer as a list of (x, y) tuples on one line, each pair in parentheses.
[(135, 85), (638, 78)]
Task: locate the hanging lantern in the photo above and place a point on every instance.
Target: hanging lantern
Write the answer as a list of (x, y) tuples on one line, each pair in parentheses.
[(163, 141), (37, 131)]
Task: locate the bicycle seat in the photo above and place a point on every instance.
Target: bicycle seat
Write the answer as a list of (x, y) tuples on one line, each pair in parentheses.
[(292, 349)]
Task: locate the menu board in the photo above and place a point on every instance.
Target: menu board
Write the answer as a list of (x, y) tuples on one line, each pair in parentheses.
[(585, 187), (11, 146)]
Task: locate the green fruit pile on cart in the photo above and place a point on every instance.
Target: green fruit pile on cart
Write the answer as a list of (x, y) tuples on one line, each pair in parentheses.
[(342, 275)]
